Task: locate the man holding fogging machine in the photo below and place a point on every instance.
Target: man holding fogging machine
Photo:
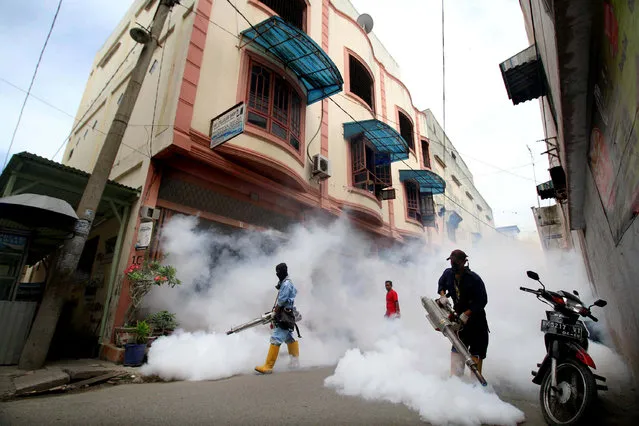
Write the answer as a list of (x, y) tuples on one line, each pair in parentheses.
[(284, 322), (469, 296)]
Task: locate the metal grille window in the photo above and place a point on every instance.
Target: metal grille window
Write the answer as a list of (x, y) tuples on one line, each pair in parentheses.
[(427, 209), (412, 200), (371, 170), (425, 154), (406, 129), (273, 105), (361, 82), (291, 11)]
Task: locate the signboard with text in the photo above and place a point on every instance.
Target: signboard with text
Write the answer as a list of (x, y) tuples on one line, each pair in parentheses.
[(227, 125)]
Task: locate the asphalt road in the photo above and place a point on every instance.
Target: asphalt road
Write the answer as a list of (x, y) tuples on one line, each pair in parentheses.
[(284, 398)]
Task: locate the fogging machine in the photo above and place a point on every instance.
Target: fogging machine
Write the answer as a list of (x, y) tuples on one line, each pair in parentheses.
[(264, 319), (445, 320)]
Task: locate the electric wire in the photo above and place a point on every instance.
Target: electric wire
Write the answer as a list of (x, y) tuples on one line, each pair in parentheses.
[(207, 18), (35, 72), (157, 88), (356, 121), (79, 121), (70, 115)]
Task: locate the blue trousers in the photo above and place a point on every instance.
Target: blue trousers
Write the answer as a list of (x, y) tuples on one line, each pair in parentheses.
[(281, 335)]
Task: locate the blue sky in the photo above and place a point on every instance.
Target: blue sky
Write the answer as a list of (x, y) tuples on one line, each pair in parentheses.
[(489, 132)]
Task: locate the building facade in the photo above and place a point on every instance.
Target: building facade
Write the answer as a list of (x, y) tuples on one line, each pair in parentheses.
[(329, 129), (583, 65)]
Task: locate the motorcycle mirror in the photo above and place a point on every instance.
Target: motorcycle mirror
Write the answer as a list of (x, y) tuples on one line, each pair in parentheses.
[(532, 275), (575, 292), (601, 303)]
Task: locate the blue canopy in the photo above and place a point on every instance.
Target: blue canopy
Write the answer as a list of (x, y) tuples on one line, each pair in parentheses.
[(429, 182), (385, 139), (454, 219), (299, 53)]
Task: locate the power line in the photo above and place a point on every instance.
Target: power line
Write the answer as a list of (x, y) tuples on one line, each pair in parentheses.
[(35, 72), (356, 121), (411, 168), (73, 129), (157, 88), (192, 9)]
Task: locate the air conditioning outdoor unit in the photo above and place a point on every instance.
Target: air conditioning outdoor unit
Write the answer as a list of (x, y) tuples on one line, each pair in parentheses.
[(321, 167)]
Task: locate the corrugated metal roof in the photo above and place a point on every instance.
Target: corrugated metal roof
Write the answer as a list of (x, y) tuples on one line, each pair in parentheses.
[(381, 135), (27, 156), (524, 76), (299, 53), (429, 182)]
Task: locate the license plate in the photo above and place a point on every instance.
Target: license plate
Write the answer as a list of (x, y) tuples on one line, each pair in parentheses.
[(561, 329)]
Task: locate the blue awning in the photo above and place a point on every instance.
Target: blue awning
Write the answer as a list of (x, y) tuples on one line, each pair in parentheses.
[(385, 139), (428, 181), (454, 219), (299, 53)]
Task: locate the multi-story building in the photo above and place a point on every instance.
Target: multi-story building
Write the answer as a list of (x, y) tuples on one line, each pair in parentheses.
[(582, 64), (466, 215), (324, 127)]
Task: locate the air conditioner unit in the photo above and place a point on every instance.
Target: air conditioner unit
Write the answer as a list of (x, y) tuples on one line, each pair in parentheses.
[(321, 167)]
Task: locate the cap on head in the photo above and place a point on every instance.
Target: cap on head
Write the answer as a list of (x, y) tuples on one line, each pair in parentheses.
[(458, 255)]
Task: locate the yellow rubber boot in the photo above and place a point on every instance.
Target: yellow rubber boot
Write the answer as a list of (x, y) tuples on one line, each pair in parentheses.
[(267, 368), (294, 354)]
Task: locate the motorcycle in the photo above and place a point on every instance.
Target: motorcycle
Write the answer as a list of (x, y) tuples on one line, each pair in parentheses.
[(568, 385)]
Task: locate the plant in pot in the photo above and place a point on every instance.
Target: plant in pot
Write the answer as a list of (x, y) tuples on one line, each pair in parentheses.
[(163, 323), (142, 278), (134, 352)]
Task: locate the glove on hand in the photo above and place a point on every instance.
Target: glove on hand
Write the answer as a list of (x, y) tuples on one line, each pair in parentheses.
[(443, 301), (463, 318)]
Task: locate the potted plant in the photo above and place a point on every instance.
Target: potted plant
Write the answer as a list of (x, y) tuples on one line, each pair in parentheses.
[(163, 323), (143, 277), (134, 352)]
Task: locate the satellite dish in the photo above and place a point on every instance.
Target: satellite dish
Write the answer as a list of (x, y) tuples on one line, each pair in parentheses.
[(366, 22), (140, 35)]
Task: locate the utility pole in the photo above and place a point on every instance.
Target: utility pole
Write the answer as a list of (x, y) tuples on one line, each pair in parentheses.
[(61, 277)]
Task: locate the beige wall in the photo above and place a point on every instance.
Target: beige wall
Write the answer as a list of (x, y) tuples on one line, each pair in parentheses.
[(220, 86)]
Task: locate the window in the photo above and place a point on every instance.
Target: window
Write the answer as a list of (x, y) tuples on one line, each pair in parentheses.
[(291, 11), (427, 209), (479, 208), (454, 178), (425, 154), (70, 154), (361, 82), (452, 154), (488, 218), (154, 65), (109, 55), (273, 105), (406, 129), (149, 5), (412, 200), (440, 161), (371, 170), (120, 98), (85, 133), (468, 195), (95, 123)]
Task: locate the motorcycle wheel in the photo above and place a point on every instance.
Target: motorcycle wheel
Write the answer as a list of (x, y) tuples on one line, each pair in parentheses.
[(577, 391)]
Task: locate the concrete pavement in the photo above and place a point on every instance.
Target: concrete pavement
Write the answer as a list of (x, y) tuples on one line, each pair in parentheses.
[(285, 398)]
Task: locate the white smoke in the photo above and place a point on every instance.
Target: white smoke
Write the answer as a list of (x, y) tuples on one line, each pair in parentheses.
[(228, 280)]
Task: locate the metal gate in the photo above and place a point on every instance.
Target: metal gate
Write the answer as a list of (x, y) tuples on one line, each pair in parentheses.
[(16, 319)]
